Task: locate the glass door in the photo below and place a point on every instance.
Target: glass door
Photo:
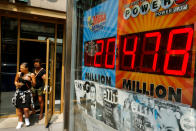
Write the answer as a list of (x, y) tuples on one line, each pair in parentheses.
[(8, 64), (49, 83)]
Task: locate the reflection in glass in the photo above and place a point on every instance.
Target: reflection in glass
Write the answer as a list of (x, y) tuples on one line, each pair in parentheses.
[(8, 64)]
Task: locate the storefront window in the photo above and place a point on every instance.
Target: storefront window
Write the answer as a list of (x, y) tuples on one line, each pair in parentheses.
[(37, 30), (8, 64), (133, 65)]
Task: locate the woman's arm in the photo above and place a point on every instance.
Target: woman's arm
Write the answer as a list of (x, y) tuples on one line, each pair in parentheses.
[(33, 79), (17, 84), (44, 78)]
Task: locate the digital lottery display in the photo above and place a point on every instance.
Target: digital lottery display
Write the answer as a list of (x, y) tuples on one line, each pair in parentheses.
[(166, 51), (144, 46), (99, 43), (104, 56)]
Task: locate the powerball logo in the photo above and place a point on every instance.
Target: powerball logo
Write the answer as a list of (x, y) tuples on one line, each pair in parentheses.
[(142, 7), (96, 22)]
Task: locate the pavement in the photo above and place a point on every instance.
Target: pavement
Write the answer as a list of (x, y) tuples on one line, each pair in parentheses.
[(56, 124), (6, 106)]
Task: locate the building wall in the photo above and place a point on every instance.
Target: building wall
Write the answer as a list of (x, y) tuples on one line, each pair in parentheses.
[(59, 5)]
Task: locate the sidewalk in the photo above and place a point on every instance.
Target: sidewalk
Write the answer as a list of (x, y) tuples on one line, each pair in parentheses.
[(9, 124)]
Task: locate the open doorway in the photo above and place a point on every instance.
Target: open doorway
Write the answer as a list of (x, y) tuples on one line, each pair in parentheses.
[(30, 50), (44, 50)]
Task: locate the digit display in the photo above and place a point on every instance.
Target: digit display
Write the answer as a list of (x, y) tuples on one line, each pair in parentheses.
[(100, 53), (165, 51)]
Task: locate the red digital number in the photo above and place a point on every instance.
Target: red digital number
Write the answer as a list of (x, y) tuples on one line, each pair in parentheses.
[(151, 52), (99, 54), (129, 52), (172, 52), (110, 45)]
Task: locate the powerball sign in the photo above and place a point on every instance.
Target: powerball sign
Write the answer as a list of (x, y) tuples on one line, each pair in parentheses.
[(156, 47)]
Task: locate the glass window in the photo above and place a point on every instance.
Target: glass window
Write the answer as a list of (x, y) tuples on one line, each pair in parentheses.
[(37, 30), (8, 58), (59, 52), (124, 74)]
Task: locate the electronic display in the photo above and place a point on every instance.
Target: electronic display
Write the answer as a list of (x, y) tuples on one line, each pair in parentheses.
[(165, 51), (147, 47), (104, 55)]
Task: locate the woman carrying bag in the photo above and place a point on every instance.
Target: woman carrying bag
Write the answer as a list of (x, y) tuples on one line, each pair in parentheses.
[(23, 99)]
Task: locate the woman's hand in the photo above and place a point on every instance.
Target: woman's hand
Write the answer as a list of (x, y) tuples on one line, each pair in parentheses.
[(33, 82), (19, 84)]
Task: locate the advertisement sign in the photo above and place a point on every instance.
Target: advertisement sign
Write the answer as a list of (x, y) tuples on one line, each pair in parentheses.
[(156, 48), (99, 43), (139, 59), (129, 111)]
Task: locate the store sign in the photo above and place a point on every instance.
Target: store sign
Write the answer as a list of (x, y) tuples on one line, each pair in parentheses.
[(159, 7)]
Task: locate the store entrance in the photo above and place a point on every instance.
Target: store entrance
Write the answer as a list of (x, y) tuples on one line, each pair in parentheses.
[(23, 40), (44, 50)]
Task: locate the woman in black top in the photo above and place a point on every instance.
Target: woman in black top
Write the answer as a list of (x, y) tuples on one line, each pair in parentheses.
[(40, 76), (23, 96)]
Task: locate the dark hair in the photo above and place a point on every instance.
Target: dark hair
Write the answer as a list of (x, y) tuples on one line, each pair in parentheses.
[(38, 60), (86, 86), (26, 65)]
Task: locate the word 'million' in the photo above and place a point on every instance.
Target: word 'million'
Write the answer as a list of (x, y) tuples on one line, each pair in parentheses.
[(98, 78), (159, 90), (152, 6)]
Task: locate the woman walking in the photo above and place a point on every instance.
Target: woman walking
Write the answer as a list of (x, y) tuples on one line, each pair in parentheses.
[(23, 99)]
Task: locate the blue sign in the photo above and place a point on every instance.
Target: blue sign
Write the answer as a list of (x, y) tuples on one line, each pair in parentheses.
[(99, 22)]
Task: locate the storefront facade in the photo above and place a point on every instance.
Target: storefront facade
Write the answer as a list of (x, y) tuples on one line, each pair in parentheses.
[(28, 31), (132, 65)]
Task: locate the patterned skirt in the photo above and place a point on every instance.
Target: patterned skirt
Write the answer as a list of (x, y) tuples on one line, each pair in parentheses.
[(23, 99)]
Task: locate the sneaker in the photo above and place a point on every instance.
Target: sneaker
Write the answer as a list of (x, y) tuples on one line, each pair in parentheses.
[(27, 122), (19, 125)]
